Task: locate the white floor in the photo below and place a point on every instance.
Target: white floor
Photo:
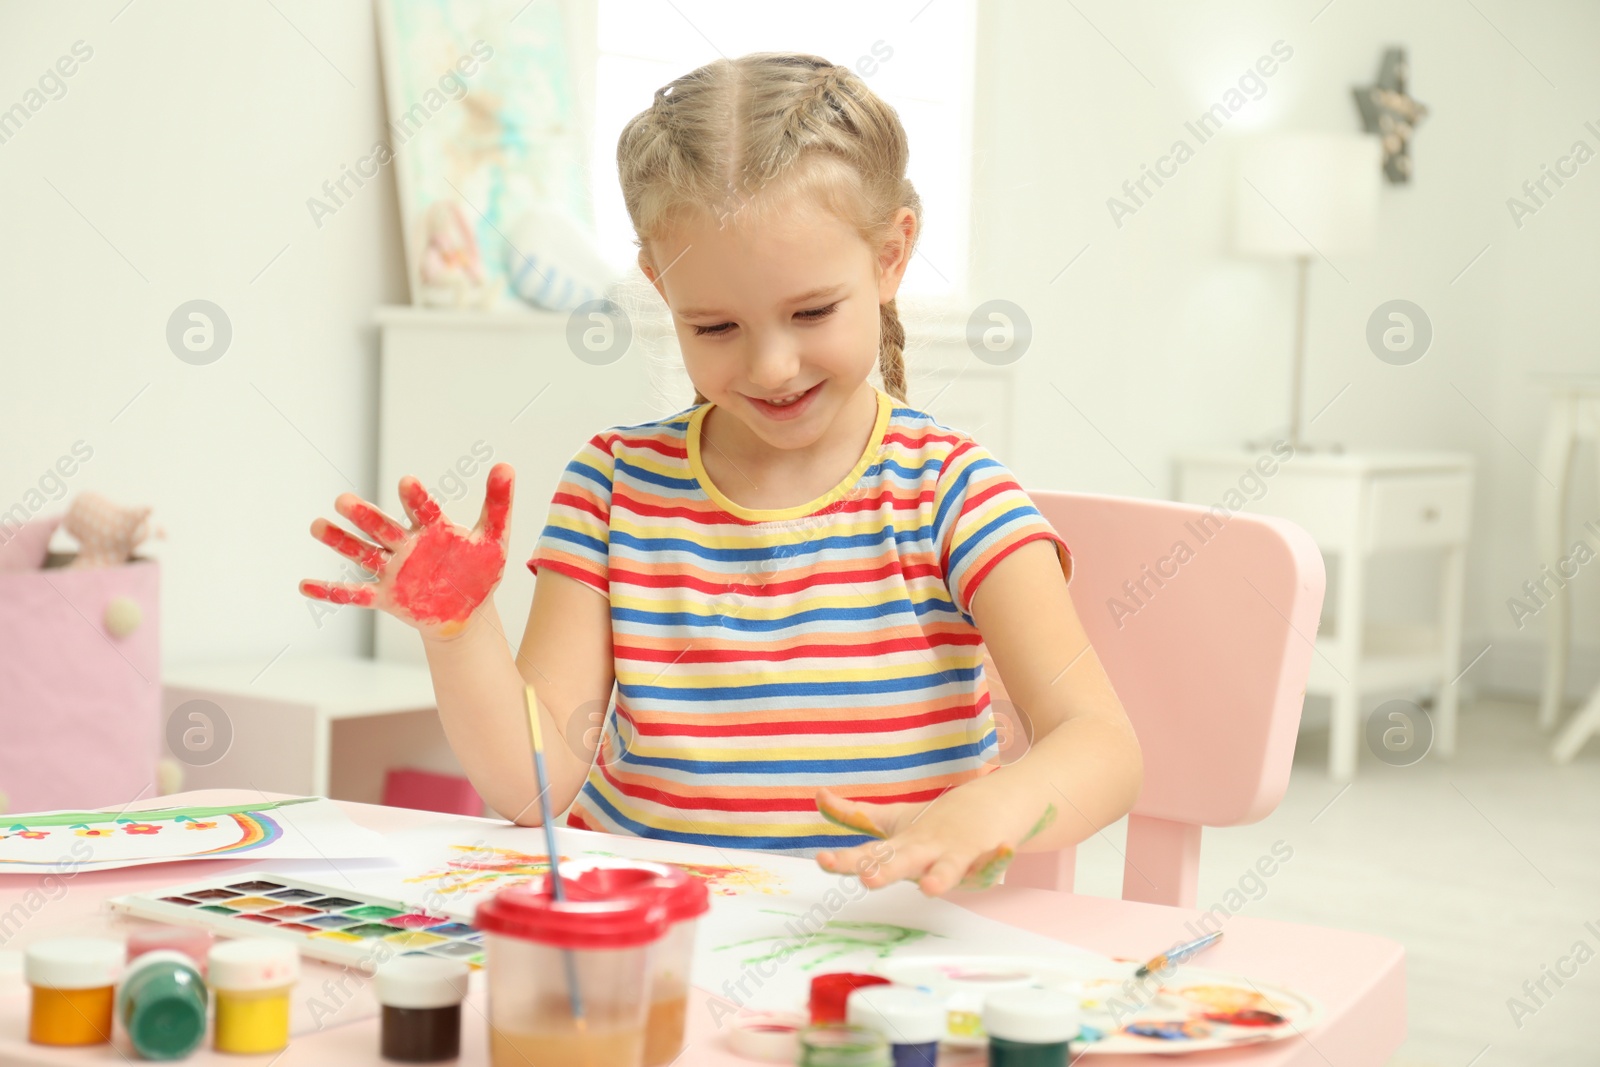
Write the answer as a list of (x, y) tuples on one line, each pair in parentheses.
[(1486, 868)]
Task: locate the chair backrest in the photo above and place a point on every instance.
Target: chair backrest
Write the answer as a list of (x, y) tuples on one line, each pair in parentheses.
[(1205, 622)]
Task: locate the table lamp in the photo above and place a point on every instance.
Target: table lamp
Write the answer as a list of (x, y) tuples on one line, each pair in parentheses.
[(1303, 196)]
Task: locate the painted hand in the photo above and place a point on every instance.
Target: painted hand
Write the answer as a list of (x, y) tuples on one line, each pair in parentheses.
[(433, 575), (942, 845)]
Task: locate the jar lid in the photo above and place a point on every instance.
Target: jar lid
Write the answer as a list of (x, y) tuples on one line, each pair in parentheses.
[(767, 1035), (529, 912), (73, 963), (253, 963), (683, 895), (904, 1015), (1032, 1016), (421, 982), (830, 991)]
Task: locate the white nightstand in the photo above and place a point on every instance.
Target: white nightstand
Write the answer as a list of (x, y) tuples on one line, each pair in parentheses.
[(1357, 505), (311, 727)]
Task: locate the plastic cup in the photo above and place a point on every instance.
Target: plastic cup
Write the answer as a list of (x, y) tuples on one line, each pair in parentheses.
[(535, 945), (685, 899)]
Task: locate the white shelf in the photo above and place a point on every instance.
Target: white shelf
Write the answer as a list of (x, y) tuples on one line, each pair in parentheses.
[(339, 688)]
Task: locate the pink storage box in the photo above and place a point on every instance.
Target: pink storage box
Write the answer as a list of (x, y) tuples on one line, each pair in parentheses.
[(80, 708)]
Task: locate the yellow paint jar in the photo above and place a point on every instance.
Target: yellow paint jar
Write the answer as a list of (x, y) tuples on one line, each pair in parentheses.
[(252, 978), (73, 980)]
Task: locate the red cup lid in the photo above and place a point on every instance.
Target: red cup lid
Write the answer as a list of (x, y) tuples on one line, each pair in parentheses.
[(531, 913), (683, 895), (830, 992)]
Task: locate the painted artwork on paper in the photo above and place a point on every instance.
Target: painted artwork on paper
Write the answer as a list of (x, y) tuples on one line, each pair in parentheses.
[(292, 828), (474, 869)]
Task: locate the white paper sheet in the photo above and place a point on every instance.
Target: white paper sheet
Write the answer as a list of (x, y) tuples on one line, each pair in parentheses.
[(60, 842)]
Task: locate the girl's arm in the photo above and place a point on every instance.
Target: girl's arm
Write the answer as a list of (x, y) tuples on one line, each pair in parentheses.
[(1082, 771), (438, 577), (565, 656)]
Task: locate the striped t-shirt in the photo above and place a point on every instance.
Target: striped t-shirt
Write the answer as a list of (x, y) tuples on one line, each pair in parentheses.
[(763, 654)]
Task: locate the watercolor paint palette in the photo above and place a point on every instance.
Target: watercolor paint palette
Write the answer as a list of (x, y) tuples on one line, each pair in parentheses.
[(328, 923)]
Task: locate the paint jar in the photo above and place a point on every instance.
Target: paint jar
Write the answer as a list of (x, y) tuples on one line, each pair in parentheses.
[(830, 992), (1030, 1027), (252, 978), (773, 1036), (162, 1005), (843, 1046), (685, 899), (73, 980), (911, 1020), (569, 980), (421, 998), (192, 941)]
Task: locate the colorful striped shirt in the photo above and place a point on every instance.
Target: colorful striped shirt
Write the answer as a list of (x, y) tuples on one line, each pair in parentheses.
[(763, 654)]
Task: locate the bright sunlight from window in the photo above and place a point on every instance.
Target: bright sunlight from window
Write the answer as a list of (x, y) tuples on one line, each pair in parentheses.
[(917, 55)]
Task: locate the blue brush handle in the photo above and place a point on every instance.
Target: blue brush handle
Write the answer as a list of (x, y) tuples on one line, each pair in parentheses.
[(556, 889)]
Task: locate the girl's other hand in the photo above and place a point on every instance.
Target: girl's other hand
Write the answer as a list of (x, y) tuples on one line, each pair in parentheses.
[(941, 845), (433, 575)]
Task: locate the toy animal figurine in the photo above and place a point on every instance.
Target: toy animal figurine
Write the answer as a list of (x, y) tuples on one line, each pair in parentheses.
[(107, 533)]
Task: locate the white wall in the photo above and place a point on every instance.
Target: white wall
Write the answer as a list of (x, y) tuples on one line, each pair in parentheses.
[(190, 141), (192, 138), (1163, 338)]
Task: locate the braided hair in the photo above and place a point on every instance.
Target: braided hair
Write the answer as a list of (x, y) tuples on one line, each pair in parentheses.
[(718, 136)]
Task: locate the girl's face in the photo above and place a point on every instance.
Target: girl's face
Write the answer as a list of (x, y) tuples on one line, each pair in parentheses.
[(779, 327)]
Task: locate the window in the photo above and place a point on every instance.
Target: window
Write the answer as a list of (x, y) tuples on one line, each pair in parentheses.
[(916, 54)]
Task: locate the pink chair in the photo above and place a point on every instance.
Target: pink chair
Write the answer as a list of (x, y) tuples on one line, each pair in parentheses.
[(1205, 624)]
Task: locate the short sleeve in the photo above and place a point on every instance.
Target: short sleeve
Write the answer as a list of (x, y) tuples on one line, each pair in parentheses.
[(981, 515), (576, 540)]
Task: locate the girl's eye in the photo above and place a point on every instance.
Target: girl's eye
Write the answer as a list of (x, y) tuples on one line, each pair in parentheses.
[(810, 315), (819, 313)]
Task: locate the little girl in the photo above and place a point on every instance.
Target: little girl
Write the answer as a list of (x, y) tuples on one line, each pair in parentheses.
[(793, 583)]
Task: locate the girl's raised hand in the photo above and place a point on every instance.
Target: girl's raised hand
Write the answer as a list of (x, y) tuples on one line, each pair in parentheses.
[(433, 575)]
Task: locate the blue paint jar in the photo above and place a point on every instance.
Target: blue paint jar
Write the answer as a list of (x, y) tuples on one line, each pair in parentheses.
[(911, 1020), (1030, 1027)]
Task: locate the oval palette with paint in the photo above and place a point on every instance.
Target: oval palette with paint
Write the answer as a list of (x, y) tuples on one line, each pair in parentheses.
[(1192, 1010)]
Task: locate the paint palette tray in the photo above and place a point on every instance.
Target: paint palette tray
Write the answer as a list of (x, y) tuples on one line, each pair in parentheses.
[(330, 924)]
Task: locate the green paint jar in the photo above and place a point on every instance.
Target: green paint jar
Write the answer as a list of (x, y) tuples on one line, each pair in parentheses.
[(843, 1046), (162, 1005), (1031, 1027)]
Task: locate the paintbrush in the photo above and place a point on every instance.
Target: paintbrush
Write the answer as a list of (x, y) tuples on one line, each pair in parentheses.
[(557, 890), (1178, 954)]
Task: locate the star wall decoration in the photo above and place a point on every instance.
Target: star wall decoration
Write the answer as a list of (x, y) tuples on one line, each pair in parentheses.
[(1389, 111)]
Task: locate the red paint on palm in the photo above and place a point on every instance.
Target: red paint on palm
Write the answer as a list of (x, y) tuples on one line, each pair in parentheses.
[(433, 575)]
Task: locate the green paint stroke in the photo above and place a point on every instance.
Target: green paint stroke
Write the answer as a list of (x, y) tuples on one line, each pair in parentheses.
[(990, 866), (836, 938), (80, 818), (1039, 827)]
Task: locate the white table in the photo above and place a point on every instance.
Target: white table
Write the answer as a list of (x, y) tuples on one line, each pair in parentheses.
[(1574, 418), (1356, 505), (307, 727)]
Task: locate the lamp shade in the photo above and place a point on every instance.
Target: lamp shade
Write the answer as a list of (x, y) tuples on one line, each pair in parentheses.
[(1306, 194)]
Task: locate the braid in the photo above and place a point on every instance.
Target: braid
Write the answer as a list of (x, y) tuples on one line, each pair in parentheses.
[(891, 351)]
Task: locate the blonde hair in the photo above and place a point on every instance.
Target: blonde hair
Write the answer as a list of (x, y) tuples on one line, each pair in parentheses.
[(777, 122)]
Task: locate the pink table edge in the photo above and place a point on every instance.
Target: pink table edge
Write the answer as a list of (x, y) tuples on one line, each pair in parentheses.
[(1359, 978)]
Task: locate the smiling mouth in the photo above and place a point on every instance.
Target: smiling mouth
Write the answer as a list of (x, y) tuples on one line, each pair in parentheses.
[(784, 401)]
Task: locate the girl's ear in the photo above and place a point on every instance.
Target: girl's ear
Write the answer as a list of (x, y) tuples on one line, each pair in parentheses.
[(650, 273), (894, 255)]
